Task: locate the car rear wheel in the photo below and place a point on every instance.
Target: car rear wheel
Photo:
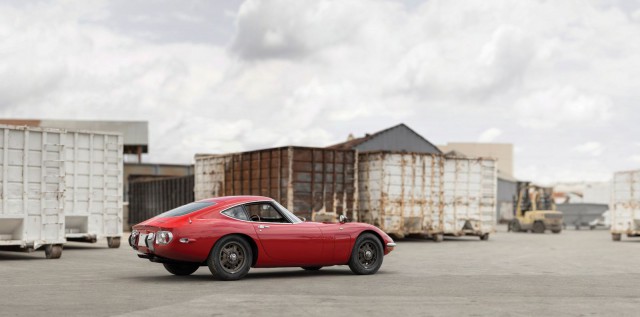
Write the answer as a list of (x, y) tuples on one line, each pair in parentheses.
[(366, 256), (556, 230), (230, 258), (311, 268), (181, 268), (484, 237)]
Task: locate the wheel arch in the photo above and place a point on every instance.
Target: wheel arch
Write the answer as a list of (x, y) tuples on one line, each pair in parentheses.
[(375, 234), (248, 239)]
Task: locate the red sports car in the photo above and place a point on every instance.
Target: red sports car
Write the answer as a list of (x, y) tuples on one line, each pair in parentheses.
[(232, 234)]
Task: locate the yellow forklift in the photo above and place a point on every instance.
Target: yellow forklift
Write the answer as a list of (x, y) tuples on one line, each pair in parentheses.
[(534, 210)]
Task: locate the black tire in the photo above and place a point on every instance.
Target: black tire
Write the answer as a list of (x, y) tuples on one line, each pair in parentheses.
[(484, 237), (438, 237), (616, 236), (556, 231), (113, 242), (366, 255), (311, 268), (181, 269), (230, 259), (515, 226), (53, 251), (538, 227)]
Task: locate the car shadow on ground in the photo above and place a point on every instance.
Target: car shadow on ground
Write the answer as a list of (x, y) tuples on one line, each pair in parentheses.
[(202, 275)]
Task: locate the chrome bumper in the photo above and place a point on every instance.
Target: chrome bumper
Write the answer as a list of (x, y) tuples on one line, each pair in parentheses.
[(391, 244)]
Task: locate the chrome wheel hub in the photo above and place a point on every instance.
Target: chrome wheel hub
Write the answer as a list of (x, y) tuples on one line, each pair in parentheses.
[(233, 257), (368, 255)]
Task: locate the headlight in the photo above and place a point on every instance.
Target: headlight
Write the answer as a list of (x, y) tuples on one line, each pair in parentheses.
[(163, 237)]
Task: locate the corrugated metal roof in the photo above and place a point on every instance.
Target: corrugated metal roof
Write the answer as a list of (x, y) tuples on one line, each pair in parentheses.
[(355, 143)]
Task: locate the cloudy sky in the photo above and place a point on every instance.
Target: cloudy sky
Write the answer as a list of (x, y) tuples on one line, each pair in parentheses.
[(558, 79)]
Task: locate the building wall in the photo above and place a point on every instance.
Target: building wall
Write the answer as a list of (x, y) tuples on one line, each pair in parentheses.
[(506, 191), (398, 139), (503, 152)]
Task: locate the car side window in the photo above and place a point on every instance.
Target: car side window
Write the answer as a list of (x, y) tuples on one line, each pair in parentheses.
[(265, 212), (237, 212)]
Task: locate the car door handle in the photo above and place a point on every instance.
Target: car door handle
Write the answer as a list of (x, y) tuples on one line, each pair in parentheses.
[(262, 227)]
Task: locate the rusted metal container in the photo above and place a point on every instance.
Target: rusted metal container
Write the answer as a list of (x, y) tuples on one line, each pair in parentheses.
[(469, 196), (149, 198), (625, 204), (401, 193), (426, 194), (315, 183)]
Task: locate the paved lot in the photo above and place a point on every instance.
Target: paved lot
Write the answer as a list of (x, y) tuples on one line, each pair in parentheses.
[(581, 273)]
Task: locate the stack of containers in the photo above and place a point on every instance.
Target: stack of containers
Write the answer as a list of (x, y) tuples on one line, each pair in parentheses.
[(42, 188), (625, 205), (426, 194)]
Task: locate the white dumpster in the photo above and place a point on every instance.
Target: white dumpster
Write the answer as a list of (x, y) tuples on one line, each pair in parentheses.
[(625, 205), (32, 181), (469, 196), (428, 195), (93, 198), (400, 192)]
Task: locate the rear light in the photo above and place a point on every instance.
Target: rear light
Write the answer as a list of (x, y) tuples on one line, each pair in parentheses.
[(164, 237)]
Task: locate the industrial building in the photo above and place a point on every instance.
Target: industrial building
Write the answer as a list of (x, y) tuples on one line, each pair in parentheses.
[(398, 138)]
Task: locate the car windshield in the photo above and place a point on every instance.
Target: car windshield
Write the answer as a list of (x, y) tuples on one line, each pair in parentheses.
[(293, 218), (186, 209)]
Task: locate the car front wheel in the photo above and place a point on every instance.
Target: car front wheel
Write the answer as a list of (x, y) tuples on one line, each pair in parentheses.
[(230, 258), (366, 256), (181, 269)]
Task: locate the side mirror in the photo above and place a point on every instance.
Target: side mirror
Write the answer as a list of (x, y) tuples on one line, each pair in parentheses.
[(342, 219), (303, 219)]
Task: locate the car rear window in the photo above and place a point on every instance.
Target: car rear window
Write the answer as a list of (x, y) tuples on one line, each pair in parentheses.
[(186, 209)]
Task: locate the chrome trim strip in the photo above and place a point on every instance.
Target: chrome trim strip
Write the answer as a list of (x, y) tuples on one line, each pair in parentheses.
[(391, 244)]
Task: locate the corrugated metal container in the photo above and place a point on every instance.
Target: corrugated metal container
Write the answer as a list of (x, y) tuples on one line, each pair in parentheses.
[(401, 192), (150, 198), (425, 194), (625, 204), (32, 180), (469, 191), (314, 183), (93, 199)]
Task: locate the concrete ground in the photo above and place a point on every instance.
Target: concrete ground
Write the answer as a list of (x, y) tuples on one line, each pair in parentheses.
[(576, 273)]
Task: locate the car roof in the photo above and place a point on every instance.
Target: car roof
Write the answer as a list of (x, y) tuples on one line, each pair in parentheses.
[(227, 200)]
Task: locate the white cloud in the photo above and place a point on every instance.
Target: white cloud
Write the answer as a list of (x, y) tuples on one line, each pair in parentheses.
[(489, 135), (590, 148), (542, 74), (559, 106)]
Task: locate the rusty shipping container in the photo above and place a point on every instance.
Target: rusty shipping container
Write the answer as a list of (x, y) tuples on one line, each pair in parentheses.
[(469, 196), (315, 183), (401, 193), (149, 198), (426, 194), (625, 205)]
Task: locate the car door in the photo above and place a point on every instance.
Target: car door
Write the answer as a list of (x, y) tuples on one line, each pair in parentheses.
[(283, 241)]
